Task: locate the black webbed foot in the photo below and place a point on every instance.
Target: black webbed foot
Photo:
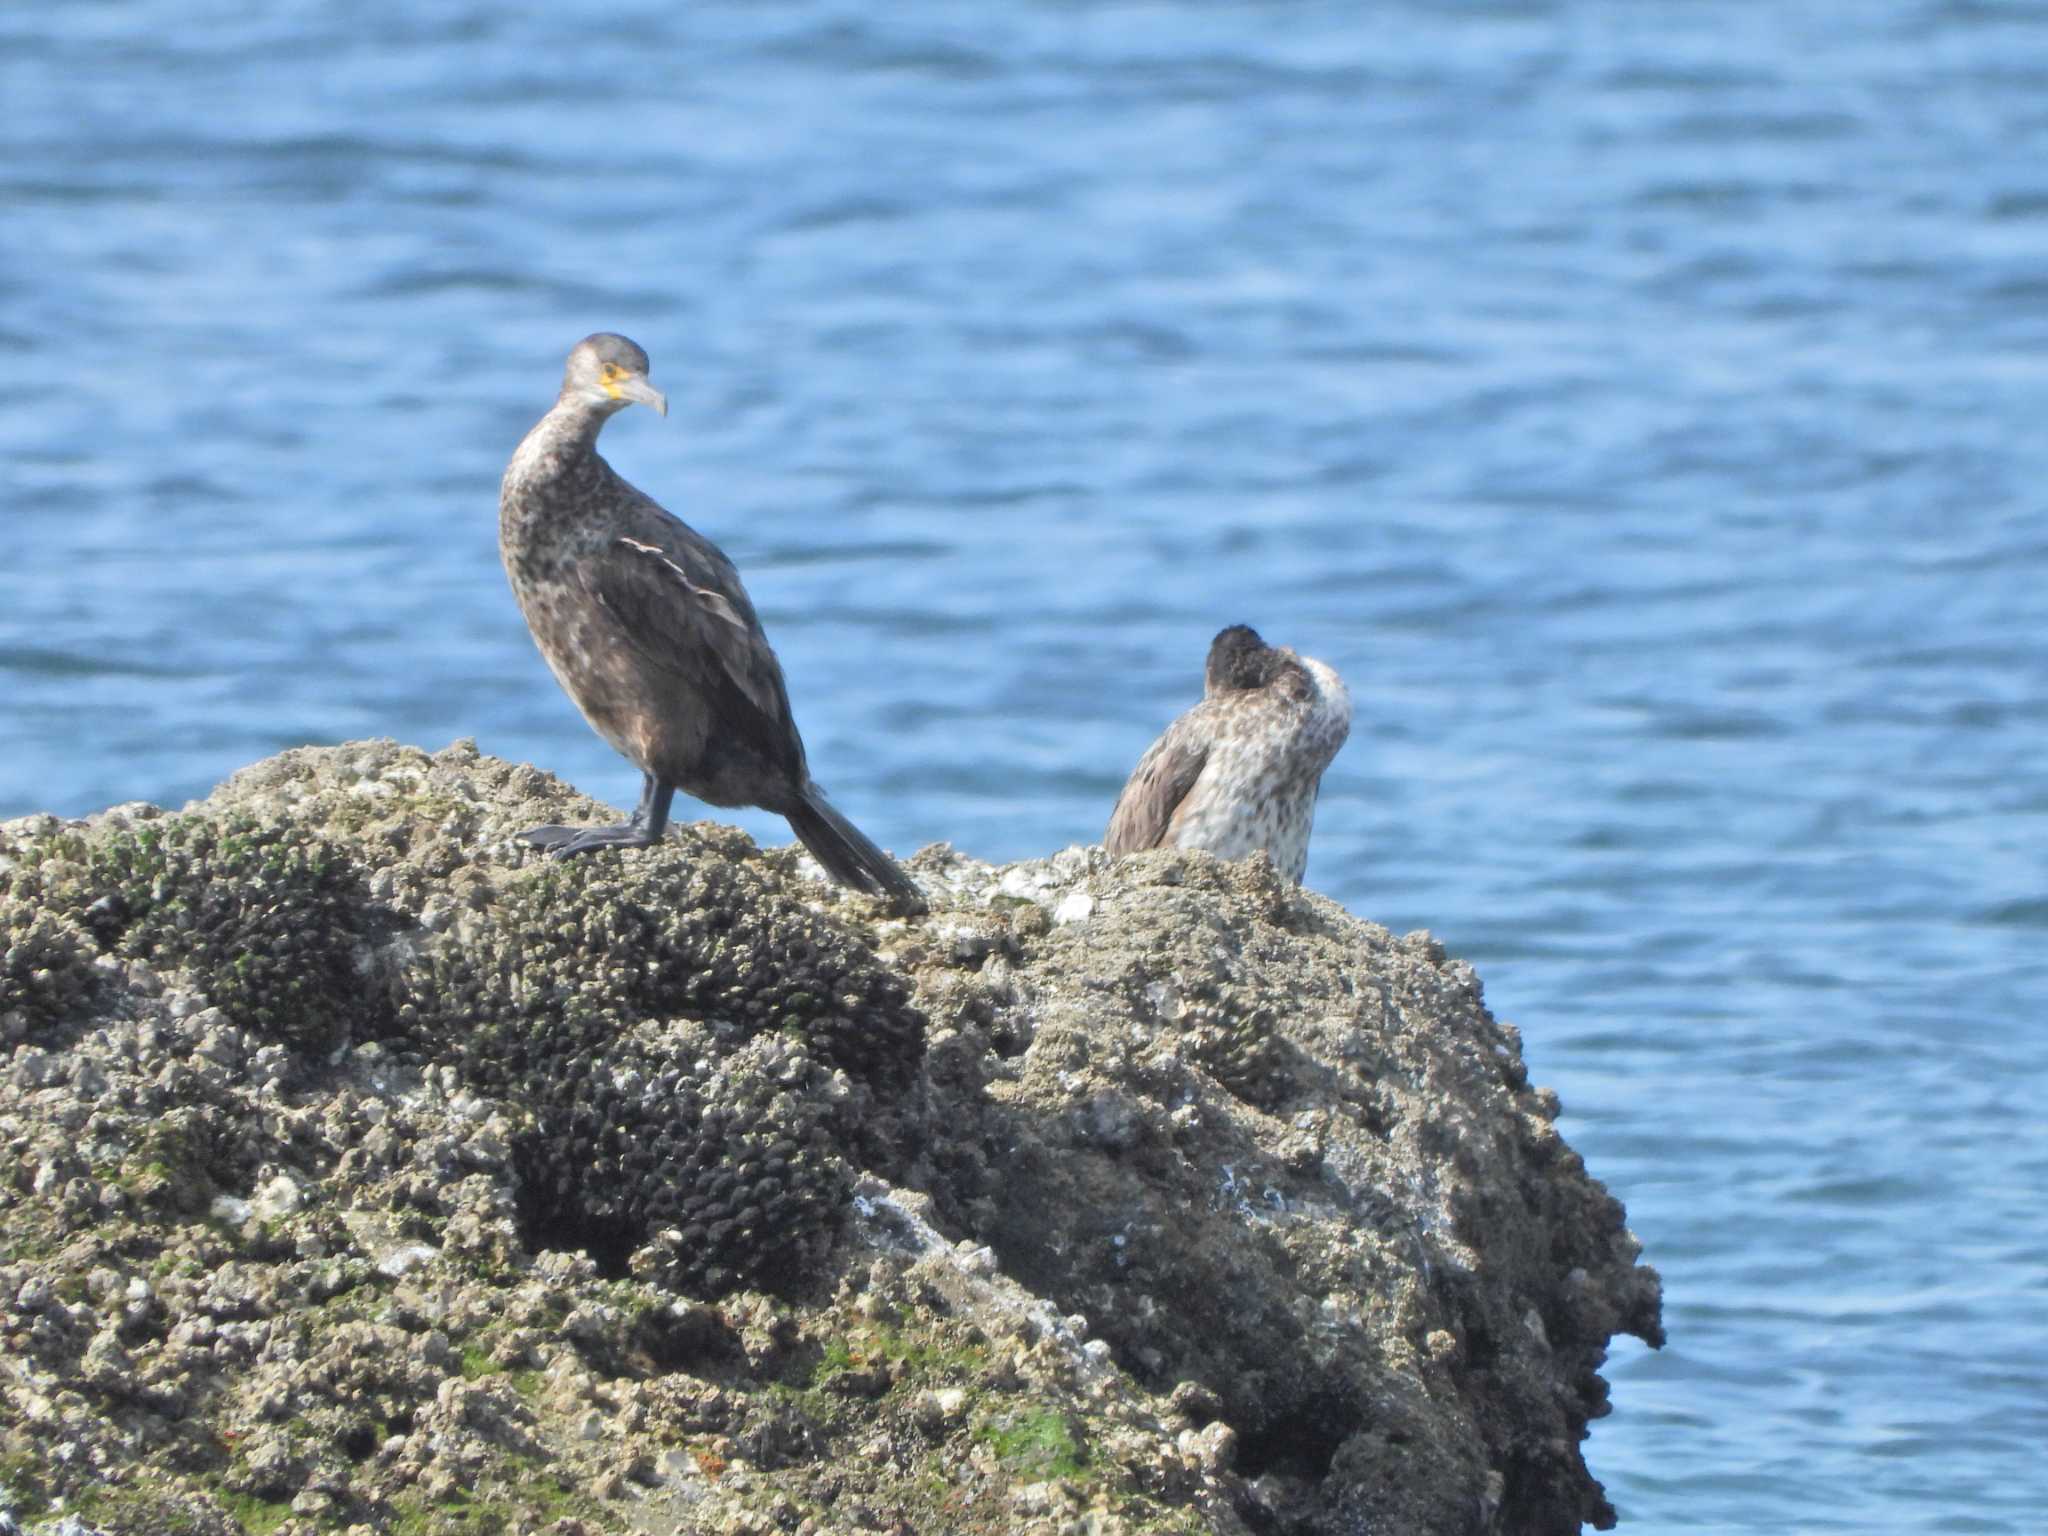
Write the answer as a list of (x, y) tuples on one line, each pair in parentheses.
[(561, 842)]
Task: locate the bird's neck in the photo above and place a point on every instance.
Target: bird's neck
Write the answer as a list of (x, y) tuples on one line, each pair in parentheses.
[(570, 429), (555, 465), (562, 447)]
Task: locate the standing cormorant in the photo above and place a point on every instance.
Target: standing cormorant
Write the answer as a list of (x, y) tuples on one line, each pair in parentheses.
[(1239, 772), (644, 622)]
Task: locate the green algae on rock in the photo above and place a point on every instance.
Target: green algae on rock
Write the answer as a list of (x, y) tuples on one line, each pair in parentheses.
[(680, 1192)]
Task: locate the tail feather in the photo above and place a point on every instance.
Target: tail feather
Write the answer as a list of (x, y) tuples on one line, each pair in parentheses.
[(847, 856)]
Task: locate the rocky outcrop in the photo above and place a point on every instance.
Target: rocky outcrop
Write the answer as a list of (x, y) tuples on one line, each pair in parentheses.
[(365, 1173)]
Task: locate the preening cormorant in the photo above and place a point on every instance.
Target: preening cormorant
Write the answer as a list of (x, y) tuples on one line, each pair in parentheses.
[(1240, 770)]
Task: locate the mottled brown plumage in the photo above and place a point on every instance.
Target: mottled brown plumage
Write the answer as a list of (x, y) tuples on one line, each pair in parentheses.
[(1241, 770), (646, 625)]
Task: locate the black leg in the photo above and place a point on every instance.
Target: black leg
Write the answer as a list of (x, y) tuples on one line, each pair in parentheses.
[(642, 829), (652, 811)]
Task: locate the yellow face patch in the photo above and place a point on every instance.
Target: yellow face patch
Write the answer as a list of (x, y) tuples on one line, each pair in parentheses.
[(609, 377)]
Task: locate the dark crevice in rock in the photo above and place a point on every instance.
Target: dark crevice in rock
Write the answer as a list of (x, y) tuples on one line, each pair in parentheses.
[(554, 1219), (1301, 1443)]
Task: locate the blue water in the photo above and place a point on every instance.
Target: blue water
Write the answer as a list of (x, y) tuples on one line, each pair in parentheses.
[(1644, 405)]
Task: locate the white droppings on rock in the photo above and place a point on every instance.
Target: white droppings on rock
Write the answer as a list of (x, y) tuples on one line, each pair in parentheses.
[(406, 1259), (229, 1210), (278, 1197), (1026, 882), (1074, 907)]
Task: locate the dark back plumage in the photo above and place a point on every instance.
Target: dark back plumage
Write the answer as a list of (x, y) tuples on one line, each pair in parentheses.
[(647, 626)]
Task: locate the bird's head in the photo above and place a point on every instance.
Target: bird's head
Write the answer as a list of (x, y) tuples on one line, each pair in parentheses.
[(1239, 659), (610, 372)]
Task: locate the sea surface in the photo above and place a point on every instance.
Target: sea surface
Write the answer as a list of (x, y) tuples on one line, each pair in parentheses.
[(1644, 404)]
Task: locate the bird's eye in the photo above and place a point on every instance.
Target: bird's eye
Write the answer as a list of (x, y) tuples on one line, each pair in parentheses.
[(612, 373)]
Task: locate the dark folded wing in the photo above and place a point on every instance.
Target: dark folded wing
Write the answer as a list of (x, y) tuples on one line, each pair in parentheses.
[(1157, 786), (682, 609)]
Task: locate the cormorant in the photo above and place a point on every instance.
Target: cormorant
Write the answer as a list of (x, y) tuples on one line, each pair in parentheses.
[(645, 624), (1240, 770)]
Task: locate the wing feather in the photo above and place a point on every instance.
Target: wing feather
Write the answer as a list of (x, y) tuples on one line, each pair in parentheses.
[(680, 606), (1162, 780)]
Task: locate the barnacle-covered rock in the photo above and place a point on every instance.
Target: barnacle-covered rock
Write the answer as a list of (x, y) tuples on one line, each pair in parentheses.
[(45, 966), (270, 915), (366, 1171), (1238, 1046), (750, 1188), (683, 1035), (602, 945), (1269, 1149)]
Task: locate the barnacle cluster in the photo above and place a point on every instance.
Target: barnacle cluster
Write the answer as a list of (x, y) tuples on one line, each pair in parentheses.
[(685, 1039), (268, 916), (45, 964), (1238, 1046), (698, 1171), (697, 1054)]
